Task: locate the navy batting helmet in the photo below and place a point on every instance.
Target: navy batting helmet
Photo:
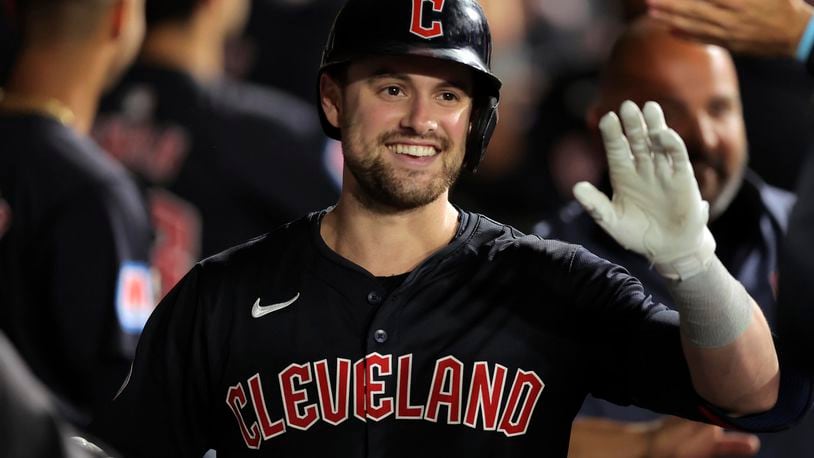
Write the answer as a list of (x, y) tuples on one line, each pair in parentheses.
[(450, 30)]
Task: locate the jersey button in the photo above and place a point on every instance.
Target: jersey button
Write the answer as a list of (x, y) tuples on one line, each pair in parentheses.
[(380, 336), (374, 298)]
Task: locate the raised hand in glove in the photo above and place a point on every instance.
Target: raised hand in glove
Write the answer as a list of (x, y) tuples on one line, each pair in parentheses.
[(656, 209)]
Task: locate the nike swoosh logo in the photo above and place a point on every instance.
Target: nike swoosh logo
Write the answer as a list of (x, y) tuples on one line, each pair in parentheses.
[(260, 311)]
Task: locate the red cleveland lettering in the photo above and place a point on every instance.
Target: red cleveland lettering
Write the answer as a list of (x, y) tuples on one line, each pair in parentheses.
[(236, 400), (292, 397), (373, 378), (485, 396), (267, 427), (452, 369), (359, 390), (334, 410), (535, 386), (381, 409), (404, 411)]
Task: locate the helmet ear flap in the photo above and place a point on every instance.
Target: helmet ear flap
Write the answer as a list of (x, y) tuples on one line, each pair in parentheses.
[(482, 126)]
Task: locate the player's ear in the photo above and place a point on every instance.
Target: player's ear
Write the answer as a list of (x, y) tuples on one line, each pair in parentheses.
[(330, 97)]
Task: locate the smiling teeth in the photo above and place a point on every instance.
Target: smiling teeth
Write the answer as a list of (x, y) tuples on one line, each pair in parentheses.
[(413, 150)]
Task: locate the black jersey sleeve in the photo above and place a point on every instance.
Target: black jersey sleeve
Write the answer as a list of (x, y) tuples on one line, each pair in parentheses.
[(80, 264), (164, 408), (633, 355), (630, 345)]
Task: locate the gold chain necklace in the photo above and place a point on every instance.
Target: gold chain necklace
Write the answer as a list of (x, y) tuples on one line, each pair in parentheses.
[(48, 106)]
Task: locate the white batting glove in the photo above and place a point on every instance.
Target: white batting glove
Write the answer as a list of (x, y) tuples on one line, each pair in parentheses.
[(657, 210)]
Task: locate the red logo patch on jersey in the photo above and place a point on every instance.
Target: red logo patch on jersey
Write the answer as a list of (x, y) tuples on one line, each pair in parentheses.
[(5, 217), (436, 29), (135, 296)]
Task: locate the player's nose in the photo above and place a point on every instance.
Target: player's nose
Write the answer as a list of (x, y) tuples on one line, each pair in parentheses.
[(420, 117), (704, 134)]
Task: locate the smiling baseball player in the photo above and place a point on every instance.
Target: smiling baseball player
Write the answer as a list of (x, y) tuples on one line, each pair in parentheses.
[(397, 325)]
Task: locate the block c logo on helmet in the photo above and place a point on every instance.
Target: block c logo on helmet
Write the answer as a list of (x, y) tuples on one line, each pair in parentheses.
[(436, 28)]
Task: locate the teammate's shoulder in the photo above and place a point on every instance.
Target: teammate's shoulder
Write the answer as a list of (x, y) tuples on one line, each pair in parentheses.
[(777, 202), (147, 88), (564, 223), (35, 136), (56, 160)]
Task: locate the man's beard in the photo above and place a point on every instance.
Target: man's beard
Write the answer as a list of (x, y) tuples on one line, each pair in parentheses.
[(384, 189), (728, 184), (727, 194)]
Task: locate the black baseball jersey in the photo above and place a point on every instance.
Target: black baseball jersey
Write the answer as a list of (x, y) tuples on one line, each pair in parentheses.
[(283, 348), (75, 281), (223, 162)]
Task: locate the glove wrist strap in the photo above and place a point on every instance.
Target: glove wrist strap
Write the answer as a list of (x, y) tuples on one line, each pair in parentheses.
[(687, 266)]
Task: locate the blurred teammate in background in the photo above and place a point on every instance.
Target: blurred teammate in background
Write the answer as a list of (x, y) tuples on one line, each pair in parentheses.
[(222, 161), (74, 234), (30, 426)]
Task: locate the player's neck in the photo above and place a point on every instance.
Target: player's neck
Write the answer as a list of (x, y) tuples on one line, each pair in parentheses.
[(185, 48), (392, 243), (72, 80)]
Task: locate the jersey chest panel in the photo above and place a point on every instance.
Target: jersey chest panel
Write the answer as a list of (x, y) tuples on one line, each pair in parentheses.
[(463, 358)]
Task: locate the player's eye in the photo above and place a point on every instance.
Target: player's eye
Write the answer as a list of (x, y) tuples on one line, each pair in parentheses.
[(720, 107), (393, 91), (449, 96)]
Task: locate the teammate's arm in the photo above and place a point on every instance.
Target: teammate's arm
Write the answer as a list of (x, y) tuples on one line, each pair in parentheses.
[(593, 437), (81, 275), (761, 27), (657, 211)]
